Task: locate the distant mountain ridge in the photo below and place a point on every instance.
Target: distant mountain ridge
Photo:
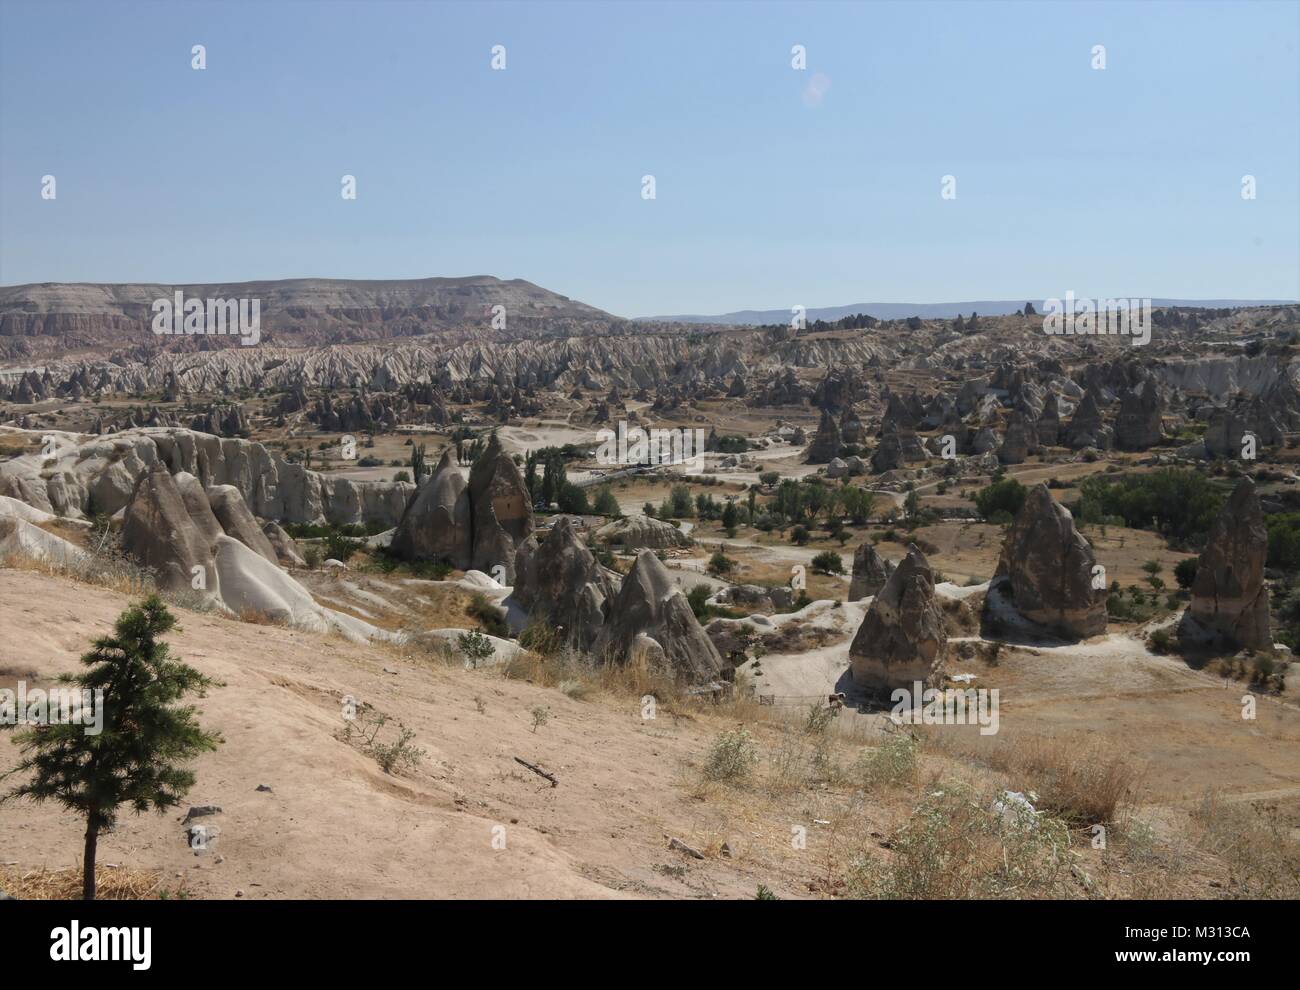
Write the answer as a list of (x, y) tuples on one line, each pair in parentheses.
[(338, 309), (930, 311)]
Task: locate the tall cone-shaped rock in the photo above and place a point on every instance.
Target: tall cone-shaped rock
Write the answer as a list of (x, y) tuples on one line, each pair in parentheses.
[(1051, 569), (1087, 428), (649, 612), (825, 445), (902, 639), (558, 580), (1229, 596), (870, 572), (501, 510), (159, 534), (436, 525)]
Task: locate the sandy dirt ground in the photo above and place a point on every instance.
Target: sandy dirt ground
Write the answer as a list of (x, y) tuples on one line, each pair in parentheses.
[(334, 824)]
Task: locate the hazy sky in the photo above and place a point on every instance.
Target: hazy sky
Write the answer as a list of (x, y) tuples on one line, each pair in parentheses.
[(774, 187)]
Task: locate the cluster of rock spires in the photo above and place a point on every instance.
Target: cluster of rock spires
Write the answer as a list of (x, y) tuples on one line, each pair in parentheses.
[(1229, 596), (478, 524), (487, 524), (97, 475), (205, 542), (643, 617)]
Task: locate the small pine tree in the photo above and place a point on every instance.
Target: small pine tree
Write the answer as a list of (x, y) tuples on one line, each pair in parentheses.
[(137, 758)]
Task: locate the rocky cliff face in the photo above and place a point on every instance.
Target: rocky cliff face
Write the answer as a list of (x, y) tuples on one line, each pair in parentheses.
[(1229, 597), (98, 474), (331, 309), (1050, 567)]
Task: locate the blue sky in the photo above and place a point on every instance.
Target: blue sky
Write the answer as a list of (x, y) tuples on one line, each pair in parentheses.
[(1125, 181)]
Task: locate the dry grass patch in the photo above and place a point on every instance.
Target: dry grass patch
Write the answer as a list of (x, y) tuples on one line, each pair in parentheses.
[(1083, 784), (1259, 849), (112, 883)]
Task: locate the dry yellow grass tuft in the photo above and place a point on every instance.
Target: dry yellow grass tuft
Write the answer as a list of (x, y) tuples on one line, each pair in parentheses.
[(112, 883)]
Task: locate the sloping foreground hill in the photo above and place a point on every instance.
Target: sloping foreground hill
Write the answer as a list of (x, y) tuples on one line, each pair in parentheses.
[(334, 824), (829, 808)]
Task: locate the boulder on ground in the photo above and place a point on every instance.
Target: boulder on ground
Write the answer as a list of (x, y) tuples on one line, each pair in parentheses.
[(638, 532)]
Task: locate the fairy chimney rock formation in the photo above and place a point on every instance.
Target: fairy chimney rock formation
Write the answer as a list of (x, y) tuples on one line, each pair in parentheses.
[(870, 572), (902, 639), (1229, 597), (436, 525), (560, 582), (1052, 570), (650, 610)]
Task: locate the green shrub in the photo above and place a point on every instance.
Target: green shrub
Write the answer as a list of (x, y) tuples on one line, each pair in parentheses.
[(731, 758), (828, 562)]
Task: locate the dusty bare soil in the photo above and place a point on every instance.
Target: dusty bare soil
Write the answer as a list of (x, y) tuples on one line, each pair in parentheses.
[(334, 824)]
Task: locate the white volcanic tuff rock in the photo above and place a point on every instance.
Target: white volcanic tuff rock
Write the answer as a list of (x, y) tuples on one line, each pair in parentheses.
[(479, 524), (1224, 376), (236, 521), (250, 583), (167, 527), (286, 548), (633, 361), (1050, 566), (500, 508), (98, 474), (198, 506), (159, 533), (1229, 596), (20, 536), (903, 638), (19, 509), (650, 617)]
